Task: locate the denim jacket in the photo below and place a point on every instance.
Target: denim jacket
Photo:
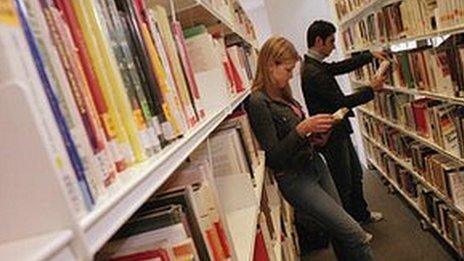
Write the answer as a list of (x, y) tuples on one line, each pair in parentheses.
[(274, 125)]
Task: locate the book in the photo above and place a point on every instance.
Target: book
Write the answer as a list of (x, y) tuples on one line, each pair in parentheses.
[(20, 81), (57, 113)]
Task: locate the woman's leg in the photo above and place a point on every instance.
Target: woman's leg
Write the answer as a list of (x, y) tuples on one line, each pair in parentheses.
[(308, 197)]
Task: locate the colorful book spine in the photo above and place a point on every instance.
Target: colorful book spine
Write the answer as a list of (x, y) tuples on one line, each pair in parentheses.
[(149, 84), (192, 83), (123, 40), (105, 120), (110, 80), (63, 128), (19, 74), (168, 41)]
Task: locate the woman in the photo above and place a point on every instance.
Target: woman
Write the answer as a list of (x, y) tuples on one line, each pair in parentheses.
[(288, 139)]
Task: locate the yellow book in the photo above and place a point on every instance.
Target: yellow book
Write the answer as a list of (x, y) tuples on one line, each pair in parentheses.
[(110, 80), (171, 108), (168, 40)]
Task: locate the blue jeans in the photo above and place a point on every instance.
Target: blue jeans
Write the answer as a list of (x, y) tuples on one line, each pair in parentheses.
[(314, 194)]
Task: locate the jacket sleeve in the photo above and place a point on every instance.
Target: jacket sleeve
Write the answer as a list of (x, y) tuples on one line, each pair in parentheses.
[(278, 152), (328, 94), (348, 65)]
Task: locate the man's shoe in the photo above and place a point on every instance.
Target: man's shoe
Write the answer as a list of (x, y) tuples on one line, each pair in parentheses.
[(374, 218)]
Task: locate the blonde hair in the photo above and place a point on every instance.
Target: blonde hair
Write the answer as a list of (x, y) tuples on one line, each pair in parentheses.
[(276, 50)]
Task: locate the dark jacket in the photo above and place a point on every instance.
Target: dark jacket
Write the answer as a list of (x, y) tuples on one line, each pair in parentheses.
[(274, 125), (323, 94)]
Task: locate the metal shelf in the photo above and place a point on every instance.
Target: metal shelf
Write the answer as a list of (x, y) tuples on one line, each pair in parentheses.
[(195, 12), (144, 179), (408, 166), (450, 30), (414, 135), (414, 205), (432, 95), (355, 15)]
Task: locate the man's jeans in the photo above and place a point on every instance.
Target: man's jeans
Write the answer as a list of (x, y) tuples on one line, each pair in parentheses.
[(314, 194)]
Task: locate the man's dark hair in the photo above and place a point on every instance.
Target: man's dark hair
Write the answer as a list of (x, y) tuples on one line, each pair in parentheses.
[(319, 28)]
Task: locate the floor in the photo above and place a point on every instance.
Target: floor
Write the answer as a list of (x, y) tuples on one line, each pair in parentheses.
[(399, 237)]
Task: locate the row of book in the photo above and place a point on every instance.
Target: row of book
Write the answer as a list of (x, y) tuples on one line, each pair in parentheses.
[(439, 122), (344, 8), (448, 222), (407, 18), (234, 14), (438, 170), (437, 70), (186, 219), (276, 226), (123, 80)]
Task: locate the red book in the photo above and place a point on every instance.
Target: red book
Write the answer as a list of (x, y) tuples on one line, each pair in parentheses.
[(223, 239), (180, 41), (145, 255), (238, 83), (260, 253)]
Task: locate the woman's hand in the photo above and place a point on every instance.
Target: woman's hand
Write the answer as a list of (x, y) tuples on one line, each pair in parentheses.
[(319, 139), (318, 123)]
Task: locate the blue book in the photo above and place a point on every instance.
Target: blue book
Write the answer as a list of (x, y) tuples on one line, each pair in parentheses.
[(53, 101)]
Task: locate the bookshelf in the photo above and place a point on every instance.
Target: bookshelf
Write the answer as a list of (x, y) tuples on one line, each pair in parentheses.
[(408, 166), (39, 222), (100, 224), (364, 29), (193, 12), (360, 12), (412, 134), (413, 204), (432, 95)]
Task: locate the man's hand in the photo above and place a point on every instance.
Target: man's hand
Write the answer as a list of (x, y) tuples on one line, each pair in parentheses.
[(380, 55), (377, 82), (318, 123)]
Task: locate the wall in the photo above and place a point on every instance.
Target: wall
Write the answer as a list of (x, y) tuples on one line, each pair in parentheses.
[(290, 19)]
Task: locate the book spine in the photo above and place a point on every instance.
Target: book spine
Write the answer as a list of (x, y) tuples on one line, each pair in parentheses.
[(63, 128), (18, 68)]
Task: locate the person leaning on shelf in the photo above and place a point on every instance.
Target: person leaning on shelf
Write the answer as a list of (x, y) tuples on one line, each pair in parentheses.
[(323, 95), (289, 138)]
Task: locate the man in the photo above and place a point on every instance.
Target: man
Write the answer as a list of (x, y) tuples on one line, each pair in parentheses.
[(323, 95)]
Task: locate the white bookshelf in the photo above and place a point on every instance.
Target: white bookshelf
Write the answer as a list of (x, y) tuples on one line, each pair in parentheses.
[(259, 179), (414, 92), (144, 179), (193, 12), (365, 10), (38, 222), (241, 205)]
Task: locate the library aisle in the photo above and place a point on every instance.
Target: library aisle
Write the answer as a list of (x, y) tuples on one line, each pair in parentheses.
[(398, 237)]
